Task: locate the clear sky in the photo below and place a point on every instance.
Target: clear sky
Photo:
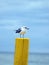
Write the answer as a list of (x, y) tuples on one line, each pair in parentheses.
[(31, 13)]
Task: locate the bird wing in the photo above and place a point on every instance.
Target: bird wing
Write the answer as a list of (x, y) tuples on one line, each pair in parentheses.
[(18, 31)]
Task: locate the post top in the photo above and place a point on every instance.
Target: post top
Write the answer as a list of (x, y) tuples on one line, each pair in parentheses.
[(22, 38)]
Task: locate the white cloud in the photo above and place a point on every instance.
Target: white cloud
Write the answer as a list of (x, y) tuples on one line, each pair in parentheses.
[(22, 6), (11, 28), (10, 24)]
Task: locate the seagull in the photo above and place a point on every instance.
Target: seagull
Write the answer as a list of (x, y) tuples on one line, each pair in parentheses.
[(22, 30)]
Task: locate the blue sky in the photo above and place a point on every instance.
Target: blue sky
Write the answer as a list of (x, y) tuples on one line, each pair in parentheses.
[(31, 13)]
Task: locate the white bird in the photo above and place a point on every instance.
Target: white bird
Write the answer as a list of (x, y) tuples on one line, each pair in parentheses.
[(22, 30)]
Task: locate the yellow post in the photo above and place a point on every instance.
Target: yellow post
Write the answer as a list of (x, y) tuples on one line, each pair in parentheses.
[(21, 51)]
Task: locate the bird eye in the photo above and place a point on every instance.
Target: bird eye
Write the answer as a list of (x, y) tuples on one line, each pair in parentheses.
[(26, 27)]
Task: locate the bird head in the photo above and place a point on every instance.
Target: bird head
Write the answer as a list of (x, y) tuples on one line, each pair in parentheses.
[(26, 27)]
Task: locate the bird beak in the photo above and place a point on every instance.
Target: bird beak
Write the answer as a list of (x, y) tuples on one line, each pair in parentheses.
[(27, 28)]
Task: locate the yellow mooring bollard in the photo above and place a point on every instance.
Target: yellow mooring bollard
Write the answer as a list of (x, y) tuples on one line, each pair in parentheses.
[(21, 51)]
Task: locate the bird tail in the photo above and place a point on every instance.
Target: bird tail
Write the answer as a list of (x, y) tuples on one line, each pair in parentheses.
[(16, 31)]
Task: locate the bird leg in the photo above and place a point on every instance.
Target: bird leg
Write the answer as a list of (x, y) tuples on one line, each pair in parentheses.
[(20, 35), (23, 35)]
